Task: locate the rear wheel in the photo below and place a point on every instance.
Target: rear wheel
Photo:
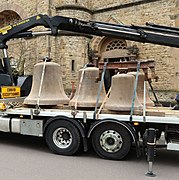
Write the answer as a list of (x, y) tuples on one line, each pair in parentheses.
[(111, 141), (62, 137)]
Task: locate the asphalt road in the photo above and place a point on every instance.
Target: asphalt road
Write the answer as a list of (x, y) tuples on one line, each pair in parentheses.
[(28, 158)]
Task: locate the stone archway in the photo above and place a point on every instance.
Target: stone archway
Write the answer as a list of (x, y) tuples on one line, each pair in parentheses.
[(12, 7), (112, 48), (8, 17), (16, 47)]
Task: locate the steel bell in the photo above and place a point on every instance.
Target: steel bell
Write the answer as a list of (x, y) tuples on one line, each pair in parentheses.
[(122, 90), (140, 89), (86, 95), (52, 92)]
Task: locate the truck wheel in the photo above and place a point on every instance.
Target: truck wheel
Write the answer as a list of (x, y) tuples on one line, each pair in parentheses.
[(62, 137), (111, 141)]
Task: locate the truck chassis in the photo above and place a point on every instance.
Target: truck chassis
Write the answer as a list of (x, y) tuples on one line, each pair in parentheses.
[(111, 135)]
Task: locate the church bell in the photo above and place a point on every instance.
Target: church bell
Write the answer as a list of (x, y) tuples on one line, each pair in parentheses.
[(87, 89), (52, 92), (122, 90), (140, 89)]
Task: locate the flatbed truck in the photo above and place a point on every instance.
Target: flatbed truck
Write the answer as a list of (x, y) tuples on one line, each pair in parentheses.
[(66, 131)]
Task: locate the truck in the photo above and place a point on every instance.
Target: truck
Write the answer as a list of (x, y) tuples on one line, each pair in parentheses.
[(111, 135)]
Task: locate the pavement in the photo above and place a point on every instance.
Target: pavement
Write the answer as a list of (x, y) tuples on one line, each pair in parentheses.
[(28, 158)]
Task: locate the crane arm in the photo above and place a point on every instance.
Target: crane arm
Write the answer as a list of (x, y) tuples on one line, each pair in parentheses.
[(155, 34), (151, 33)]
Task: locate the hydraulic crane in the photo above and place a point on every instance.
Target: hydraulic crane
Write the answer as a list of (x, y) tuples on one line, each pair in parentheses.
[(151, 33)]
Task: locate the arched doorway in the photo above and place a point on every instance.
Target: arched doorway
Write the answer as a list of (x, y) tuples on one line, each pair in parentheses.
[(113, 49)]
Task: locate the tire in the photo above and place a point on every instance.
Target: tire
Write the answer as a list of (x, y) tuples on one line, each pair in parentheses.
[(111, 141), (62, 137)]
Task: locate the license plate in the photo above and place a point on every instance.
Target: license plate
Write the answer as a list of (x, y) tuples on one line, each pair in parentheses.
[(10, 92)]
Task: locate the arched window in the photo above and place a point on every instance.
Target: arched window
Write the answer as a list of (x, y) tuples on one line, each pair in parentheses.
[(116, 44), (8, 17)]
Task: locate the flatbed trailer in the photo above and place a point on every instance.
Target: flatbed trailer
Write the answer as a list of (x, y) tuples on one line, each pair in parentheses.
[(111, 134)]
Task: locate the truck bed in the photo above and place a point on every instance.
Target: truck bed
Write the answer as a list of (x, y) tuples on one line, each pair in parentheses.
[(153, 114)]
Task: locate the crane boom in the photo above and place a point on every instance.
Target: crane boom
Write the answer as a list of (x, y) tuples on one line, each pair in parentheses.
[(155, 34), (151, 33)]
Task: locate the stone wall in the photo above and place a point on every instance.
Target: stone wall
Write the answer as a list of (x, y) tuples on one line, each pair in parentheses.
[(71, 49), (166, 60), (64, 50), (97, 5), (68, 49), (83, 3), (36, 48)]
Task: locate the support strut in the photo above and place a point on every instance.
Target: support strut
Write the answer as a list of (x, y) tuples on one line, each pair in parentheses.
[(151, 143)]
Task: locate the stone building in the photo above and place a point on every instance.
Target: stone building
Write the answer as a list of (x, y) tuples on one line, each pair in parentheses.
[(72, 52)]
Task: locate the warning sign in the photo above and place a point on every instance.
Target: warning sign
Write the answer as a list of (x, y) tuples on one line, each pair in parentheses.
[(10, 92)]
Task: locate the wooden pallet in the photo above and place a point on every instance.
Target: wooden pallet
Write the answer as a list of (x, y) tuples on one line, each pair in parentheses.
[(163, 111), (150, 111)]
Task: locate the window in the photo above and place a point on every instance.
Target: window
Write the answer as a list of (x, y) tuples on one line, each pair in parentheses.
[(73, 66), (116, 44)]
